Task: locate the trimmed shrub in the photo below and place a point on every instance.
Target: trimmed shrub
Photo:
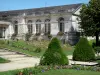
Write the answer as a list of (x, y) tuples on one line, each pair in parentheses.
[(60, 33), (83, 51), (54, 54), (49, 36)]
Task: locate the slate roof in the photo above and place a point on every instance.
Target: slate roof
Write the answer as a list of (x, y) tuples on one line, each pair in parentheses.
[(52, 9)]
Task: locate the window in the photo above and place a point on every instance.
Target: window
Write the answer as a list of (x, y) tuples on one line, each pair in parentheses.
[(1, 32), (61, 24), (47, 26), (16, 27), (38, 26), (29, 26)]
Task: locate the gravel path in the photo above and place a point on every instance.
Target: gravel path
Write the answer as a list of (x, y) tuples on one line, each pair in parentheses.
[(18, 61), (80, 62)]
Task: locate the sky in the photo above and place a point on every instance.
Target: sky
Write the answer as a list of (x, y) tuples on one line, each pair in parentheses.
[(26, 4)]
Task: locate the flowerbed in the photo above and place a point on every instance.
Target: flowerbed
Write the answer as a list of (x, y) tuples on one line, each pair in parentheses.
[(41, 69)]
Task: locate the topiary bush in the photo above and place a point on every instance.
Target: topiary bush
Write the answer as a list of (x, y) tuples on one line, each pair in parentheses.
[(83, 51), (54, 54)]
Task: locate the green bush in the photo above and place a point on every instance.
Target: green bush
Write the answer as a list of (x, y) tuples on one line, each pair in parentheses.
[(60, 33), (49, 36), (54, 54), (97, 50), (97, 57), (94, 44), (38, 50), (83, 51), (98, 62)]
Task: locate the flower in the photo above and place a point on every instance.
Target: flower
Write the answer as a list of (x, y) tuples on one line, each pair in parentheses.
[(43, 70)]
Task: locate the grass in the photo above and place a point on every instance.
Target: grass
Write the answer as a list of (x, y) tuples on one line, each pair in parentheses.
[(2, 60), (13, 72), (27, 52), (56, 72), (69, 72), (33, 45), (67, 49), (24, 47)]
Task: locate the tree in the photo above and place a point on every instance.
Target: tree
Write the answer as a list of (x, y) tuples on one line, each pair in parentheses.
[(54, 54), (89, 19)]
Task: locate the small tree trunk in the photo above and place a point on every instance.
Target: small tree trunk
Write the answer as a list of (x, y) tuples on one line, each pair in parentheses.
[(97, 38)]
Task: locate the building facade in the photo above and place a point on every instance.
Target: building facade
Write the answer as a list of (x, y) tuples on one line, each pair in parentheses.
[(40, 22)]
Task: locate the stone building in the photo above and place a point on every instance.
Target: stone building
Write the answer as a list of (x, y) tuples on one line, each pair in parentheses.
[(39, 23)]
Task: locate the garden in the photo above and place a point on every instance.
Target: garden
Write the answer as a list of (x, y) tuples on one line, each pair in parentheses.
[(53, 54), (53, 57)]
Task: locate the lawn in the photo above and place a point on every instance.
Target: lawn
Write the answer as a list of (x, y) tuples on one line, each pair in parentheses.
[(29, 48), (69, 72), (56, 72), (2, 60), (25, 47), (14, 72), (32, 45), (27, 52)]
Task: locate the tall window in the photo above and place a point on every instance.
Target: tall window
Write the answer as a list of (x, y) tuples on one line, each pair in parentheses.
[(38, 26), (47, 26), (29, 26), (61, 24), (1, 32), (16, 27)]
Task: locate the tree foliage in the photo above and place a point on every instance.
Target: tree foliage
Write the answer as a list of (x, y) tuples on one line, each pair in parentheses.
[(89, 18)]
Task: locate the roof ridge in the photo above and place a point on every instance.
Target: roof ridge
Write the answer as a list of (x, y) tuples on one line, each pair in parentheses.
[(41, 7)]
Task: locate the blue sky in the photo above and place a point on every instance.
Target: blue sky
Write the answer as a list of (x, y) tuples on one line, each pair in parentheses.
[(25, 4)]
